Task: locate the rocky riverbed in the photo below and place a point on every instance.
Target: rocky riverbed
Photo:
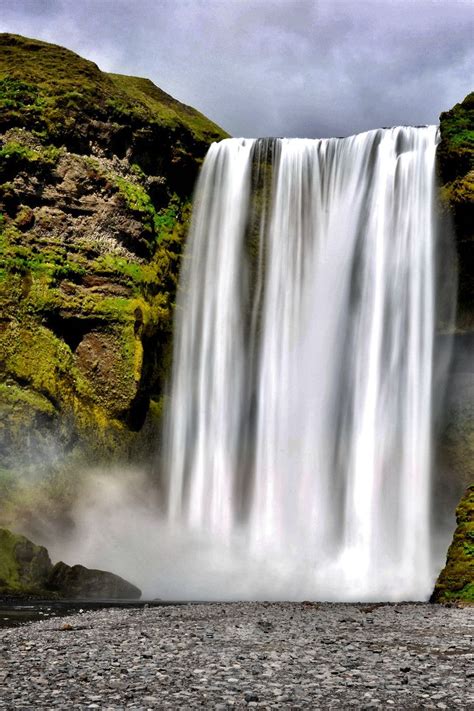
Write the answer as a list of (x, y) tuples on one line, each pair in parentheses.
[(239, 655)]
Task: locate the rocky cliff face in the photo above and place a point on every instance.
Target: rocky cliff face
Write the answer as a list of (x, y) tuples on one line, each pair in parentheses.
[(96, 173), (456, 168), (456, 580), (456, 172)]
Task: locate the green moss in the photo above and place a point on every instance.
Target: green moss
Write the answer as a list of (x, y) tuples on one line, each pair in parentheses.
[(143, 100), (23, 566), (456, 580), (168, 217), (35, 356), (456, 169), (20, 100), (16, 156), (138, 171), (459, 191), (18, 152), (113, 265), (81, 393), (19, 398), (138, 200), (22, 257), (159, 222), (16, 94), (48, 88), (457, 130), (161, 272)]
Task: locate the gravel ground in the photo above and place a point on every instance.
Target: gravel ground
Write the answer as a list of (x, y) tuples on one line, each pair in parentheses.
[(243, 655)]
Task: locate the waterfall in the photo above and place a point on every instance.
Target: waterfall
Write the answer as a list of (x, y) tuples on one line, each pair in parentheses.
[(299, 431)]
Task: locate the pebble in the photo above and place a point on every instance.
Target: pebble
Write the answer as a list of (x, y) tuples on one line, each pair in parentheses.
[(241, 656)]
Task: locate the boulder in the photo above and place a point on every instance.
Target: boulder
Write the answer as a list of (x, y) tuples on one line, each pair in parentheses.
[(26, 569), (456, 580), (78, 582)]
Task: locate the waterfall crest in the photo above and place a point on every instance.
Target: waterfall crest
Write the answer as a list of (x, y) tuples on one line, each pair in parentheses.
[(300, 421)]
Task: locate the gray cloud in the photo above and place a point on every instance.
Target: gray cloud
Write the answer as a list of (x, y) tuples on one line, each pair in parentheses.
[(275, 67)]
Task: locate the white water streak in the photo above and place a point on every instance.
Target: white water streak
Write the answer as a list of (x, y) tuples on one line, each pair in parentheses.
[(300, 422)]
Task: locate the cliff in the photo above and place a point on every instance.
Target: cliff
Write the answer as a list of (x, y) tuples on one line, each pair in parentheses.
[(456, 169), (456, 580), (96, 174), (456, 172)]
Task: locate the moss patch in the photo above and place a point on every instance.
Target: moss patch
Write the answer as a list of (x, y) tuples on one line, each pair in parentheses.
[(24, 566), (96, 173), (457, 132), (456, 168), (49, 88), (456, 580)]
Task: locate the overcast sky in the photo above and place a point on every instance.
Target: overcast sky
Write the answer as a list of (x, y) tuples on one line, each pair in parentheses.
[(275, 67)]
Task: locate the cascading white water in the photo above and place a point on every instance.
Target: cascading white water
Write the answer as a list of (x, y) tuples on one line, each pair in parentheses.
[(300, 423)]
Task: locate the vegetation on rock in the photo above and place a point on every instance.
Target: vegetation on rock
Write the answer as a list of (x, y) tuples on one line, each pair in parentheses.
[(78, 582), (26, 570), (50, 89), (96, 173), (456, 580), (456, 167), (24, 567), (456, 171)]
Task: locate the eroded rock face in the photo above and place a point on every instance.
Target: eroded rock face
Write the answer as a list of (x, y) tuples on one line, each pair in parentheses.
[(456, 173), (83, 256), (78, 582), (96, 173)]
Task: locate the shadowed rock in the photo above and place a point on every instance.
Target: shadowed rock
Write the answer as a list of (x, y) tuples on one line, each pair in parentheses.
[(456, 580), (26, 569), (85, 583)]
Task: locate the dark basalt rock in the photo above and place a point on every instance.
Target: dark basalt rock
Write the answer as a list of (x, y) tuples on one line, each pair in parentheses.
[(78, 582), (26, 570)]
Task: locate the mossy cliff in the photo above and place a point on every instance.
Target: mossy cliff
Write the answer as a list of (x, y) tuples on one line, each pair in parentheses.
[(96, 174), (456, 172), (456, 168), (456, 580)]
